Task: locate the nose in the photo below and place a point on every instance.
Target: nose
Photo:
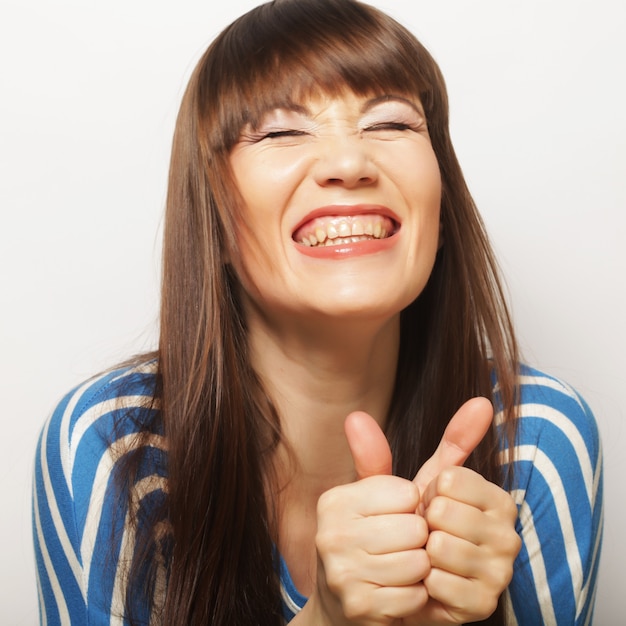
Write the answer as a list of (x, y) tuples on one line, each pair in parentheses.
[(344, 161)]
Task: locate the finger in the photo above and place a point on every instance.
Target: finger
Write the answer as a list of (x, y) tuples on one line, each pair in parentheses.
[(468, 487), (491, 566), (397, 569), (380, 604), (369, 446), (462, 599), (466, 521), (372, 496), (384, 534), (456, 556), (464, 432)]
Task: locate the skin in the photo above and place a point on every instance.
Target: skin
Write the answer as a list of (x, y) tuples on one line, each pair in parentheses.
[(366, 547)]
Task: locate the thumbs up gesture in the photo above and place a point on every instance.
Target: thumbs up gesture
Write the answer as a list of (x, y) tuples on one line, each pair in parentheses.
[(435, 550), (472, 541)]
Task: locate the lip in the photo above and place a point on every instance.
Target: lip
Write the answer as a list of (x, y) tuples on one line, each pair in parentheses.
[(347, 250)]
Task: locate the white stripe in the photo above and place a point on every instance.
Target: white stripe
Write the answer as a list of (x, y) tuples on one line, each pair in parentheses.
[(511, 618), (568, 428), (96, 501), (598, 472), (580, 604), (64, 614), (43, 617), (552, 383), (543, 465), (89, 417), (64, 431), (66, 544), (589, 616), (288, 600), (536, 562)]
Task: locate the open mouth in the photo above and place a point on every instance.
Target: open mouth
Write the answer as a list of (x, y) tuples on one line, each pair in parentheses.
[(341, 230)]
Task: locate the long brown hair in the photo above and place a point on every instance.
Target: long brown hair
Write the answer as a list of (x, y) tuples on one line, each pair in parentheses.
[(218, 421)]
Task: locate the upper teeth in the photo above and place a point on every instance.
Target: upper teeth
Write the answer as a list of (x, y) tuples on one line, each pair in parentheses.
[(341, 230)]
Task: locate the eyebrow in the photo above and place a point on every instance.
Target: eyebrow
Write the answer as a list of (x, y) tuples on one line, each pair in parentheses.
[(367, 105), (372, 102)]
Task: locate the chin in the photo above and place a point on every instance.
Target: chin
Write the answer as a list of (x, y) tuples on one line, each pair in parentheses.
[(365, 306)]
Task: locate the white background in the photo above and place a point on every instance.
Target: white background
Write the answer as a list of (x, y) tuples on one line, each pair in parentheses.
[(89, 92)]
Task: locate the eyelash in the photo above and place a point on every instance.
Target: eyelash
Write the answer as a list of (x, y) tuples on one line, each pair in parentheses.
[(277, 134), (390, 126), (282, 133)]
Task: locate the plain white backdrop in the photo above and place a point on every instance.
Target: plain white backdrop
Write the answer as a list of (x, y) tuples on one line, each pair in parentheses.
[(89, 93)]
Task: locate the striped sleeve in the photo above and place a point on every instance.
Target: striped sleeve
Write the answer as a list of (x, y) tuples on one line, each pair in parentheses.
[(558, 490), (79, 518)]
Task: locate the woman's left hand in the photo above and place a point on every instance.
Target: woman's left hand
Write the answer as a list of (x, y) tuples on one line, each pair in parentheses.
[(472, 543), (472, 546)]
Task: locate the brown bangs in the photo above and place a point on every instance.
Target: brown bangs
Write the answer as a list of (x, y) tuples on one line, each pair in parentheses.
[(285, 51)]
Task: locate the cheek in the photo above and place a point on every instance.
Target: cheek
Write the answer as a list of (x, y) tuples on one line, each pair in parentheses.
[(267, 179), (415, 169), (423, 192), (428, 178)]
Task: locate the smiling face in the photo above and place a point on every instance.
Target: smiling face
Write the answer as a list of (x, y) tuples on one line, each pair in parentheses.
[(340, 212)]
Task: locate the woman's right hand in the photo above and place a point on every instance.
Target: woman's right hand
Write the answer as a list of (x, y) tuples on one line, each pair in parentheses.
[(371, 556), (370, 542)]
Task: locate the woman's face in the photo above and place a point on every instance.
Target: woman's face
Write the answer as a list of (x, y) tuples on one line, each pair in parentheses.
[(341, 207)]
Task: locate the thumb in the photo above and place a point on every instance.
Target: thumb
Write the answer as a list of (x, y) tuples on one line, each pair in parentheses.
[(463, 433), (369, 447)]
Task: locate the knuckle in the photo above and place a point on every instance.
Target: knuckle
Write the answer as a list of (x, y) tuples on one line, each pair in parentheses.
[(328, 541), (510, 509), (436, 544), (447, 480), (437, 510), (421, 564), (502, 536), (504, 539), (355, 606), (327, 502), (516, 544), (499, 577), (336, 580), (506, 574), (488, 605), (421, 530), (413, 492), (483, 604)]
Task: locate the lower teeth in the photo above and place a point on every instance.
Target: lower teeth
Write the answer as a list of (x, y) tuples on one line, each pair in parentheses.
[(344, 240), (338, 241)]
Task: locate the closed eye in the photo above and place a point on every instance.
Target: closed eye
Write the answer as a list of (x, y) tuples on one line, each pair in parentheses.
[(391, 126), (255, 137), (282, 133)]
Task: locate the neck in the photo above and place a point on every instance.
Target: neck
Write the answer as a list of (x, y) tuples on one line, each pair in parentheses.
[(317, 374)]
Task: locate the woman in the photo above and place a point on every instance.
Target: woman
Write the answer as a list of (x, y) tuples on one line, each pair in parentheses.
[(329, 303)]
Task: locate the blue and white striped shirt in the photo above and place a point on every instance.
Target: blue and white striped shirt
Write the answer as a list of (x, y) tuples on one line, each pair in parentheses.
[(557, 487)]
